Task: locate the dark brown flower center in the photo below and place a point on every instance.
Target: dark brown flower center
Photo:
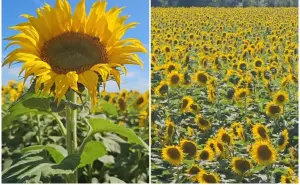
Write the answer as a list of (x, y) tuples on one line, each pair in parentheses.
[(173, 153), (204, 155), (194, 170), (140, 100), (280, 98), (203, 122), (262, 132), (209, 178), (72, 51), (226, 138), (202, 78), (189, 148), (184, 103), (171, 68), (242, 165), (122, 104), (175, 79), (264, 152), (170, 130), (274, 109)]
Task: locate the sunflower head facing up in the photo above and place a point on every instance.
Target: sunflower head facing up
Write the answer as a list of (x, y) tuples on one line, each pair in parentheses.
[(162, 88), (206, 154), (241, 165), (62, 50), (202, 123), (263, 153), (173, 154), (260, 132), (174, 78), (225, 136), (281, 97), (186, 102), (274, 110), (188, 147), (206, 178), (201, 78), (193, 171), (140, 102), (283, 140), (241, 93)]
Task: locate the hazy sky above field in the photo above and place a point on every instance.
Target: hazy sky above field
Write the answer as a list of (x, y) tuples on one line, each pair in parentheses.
[(138, 9)]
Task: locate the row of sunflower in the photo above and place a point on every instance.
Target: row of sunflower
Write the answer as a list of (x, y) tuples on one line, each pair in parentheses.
[(224, 95)]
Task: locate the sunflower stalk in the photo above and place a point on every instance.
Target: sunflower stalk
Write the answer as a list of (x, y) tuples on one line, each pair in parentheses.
[(39, 137), (71, 117)]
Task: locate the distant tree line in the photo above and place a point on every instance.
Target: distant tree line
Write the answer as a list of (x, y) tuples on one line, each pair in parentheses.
[(226, 3)]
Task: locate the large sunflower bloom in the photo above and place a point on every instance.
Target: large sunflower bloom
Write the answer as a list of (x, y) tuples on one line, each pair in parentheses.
[(62, 50), (173, 154), (263, 153)]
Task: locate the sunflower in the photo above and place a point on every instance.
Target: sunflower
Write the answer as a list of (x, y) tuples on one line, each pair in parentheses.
[(263, 153), (283, 139), (273, 110), (288, 180), (220, 149), (186, 102), (260, 132), (193, 172), (205, 177), (203, 123), (233, 128), (201, 77), (225, 136), (206, 154), (162, 88), (281, 97), (242, 65), (188, 147), (170, 66), (211, 93), (174, 78), (194, 108), (241, 165), (173, 154), (170, 129), (140, 102), (62, 50), (240, 93), (143, 118), (124, 94), (121, 104), (258, 63)]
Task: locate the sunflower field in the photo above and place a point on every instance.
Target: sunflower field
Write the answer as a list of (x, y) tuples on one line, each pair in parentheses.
[(224, 95), (31, 135)]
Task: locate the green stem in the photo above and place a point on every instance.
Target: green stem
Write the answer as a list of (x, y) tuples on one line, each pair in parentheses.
[(90, 173), (60, 124), (39, 129), (71, 116)]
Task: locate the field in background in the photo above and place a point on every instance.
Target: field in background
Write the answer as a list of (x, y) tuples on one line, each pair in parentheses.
[(224, 95)]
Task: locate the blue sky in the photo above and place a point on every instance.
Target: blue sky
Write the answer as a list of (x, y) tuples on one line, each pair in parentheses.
[(138, 10)]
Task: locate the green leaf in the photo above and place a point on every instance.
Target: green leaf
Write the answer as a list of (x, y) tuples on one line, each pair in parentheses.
[(114, 180), (104, 125), (108, 108), (57, 152), (25, 105), (91, 152), (31, 167)]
